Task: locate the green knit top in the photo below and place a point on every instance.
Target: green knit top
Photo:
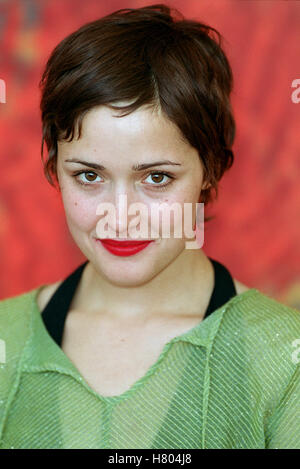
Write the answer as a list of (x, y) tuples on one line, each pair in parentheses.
[(232, 381)]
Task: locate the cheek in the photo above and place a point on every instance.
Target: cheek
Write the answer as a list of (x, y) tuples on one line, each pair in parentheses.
[(191, 192), (80, 211), (173, 216)]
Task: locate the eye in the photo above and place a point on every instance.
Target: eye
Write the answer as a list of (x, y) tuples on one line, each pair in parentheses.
[(159, 179), (88, 178)]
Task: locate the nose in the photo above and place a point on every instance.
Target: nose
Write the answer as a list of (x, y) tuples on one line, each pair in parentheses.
[(117, 219), (121, 215)]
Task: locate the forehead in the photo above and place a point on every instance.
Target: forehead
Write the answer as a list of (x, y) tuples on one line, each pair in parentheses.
[(104, 123), (141, 134)]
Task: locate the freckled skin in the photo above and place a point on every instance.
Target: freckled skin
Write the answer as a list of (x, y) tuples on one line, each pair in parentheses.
[(118, 144)]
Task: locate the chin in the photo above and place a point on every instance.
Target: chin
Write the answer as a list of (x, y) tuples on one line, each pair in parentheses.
[(132, 271), (127, 276)]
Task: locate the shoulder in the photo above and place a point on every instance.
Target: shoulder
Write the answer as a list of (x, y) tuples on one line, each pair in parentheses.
[(266, 331), (261, 337), (15, 331), (45, 293), (15, 314), (257, 306), (259, 311), (240, 287), (16, 306), (16, 319)]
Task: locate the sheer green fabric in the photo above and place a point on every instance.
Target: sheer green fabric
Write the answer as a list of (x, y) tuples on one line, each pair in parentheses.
[(232, 381)]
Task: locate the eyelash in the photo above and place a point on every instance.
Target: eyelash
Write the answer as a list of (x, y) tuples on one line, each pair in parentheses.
[(157, 186)]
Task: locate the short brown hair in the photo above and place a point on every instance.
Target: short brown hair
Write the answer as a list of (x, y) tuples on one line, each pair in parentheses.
[(148, 56)]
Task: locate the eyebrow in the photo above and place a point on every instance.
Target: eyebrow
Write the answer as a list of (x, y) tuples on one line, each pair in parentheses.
[(136, 167)]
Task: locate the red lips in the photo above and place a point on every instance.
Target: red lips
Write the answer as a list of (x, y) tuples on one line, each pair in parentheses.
[(124, 248)]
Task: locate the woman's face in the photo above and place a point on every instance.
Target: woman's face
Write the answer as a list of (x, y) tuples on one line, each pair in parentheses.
[(112, 151)]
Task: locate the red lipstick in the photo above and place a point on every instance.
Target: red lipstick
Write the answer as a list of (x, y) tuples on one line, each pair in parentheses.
[(124, 248)]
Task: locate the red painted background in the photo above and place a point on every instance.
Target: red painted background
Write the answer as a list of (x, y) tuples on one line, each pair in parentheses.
[(256, 229)]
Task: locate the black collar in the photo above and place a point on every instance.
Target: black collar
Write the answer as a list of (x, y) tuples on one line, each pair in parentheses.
[(55, 312)]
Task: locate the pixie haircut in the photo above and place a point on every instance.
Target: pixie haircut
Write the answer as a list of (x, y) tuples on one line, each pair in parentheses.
[(152, 57)]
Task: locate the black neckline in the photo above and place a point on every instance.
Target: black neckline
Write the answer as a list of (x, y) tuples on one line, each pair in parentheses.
[(55, 312)]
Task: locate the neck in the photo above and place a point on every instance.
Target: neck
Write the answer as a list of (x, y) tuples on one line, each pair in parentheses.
[(167, 294)]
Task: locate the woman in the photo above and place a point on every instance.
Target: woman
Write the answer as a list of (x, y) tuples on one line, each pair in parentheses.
[(148, 344)]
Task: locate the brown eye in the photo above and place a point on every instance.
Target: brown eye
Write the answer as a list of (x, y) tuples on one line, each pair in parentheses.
[(157, 177), (90, 176), (87, 178)]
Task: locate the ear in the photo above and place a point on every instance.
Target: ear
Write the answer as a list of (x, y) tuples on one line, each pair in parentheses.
[(206, 185)]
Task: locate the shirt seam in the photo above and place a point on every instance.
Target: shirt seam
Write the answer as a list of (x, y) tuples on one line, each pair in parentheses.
[(207, 377)]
